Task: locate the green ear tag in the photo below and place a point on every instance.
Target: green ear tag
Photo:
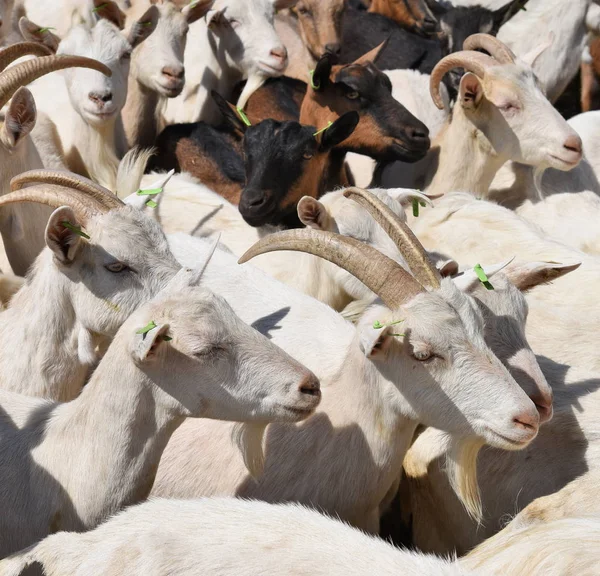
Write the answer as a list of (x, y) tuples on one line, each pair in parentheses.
[(76, 229), (312, 83), (243, 116), (415, 206), (149, 192), (482, 276), (151, 204), (98, 8), (167, 338), (379, 326), (150, 326), (146, 24), (329, 125), (43, 30)]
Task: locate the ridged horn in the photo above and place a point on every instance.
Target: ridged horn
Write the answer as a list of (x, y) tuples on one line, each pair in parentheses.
[(26, 72), (475, 62), (11, 53), (69, 180), (498, 50), (55, 196), (381, 274), (408, 244)]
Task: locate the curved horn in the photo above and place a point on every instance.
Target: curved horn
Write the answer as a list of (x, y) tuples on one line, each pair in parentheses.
[(411, 249), (9, 54), (26, 72), (68, 180), (54, 196), (381, 274), (475, 62), (498, 50)]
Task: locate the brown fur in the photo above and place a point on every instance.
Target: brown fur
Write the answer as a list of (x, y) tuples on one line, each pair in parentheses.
[(320, 24), (409, 14), (590, 79)]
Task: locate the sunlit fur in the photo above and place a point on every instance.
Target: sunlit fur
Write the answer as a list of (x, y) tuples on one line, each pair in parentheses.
[(228, 53), (226, 537), (370, 406), (87, 459)]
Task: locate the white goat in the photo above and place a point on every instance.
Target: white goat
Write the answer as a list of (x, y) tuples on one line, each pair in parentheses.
[(370, 385), (157, 71), (501, 114), (223, 537), (22, 225), (183, 355), (85, 106), (236, 40)]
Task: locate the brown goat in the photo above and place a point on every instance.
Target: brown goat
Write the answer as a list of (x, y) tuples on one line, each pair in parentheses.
[(414, 15), (320, 25), (590, 78)]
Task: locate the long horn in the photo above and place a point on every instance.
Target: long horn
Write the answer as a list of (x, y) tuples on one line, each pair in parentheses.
[(498, 50), (26, 72), (9, 54), (68, 180), (411, 249), (475, 62), (381, 274), (55, 196)]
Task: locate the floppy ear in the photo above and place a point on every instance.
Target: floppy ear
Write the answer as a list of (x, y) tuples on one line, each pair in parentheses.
[(196, 10), (20, 117), (313, 214), (504, 14), (62, 236), (109, 10), (146, 347), (141, 29), (229, 112), (34, 33), (373, 54), (320, 75), (526, 276), (341, 129), (470, 91)]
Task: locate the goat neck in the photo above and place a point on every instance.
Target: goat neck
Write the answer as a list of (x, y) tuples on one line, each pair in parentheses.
[(142, 113)]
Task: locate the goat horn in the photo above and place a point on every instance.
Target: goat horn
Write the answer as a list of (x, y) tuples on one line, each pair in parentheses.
[(55, 196), (498, 50), (68, 180), (381, 274), (411, 249), (475, 62), (26, 72), (11, 53)]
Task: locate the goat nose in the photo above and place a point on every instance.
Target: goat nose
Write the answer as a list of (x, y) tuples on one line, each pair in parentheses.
[(172, 72), (418, 133), (543, 404), (257, 201), (310, 386), (100, 98), (279, 53), (430, 23), (528, 421), (573, 144), (333, 48)]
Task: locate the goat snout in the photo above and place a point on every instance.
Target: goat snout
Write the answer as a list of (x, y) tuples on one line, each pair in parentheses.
[(173, 72), (419, 135), (430, 25), (276, 62), (573, 144), (100, 99), (527, 422), (543, 404), (334, 48), (310, 386)]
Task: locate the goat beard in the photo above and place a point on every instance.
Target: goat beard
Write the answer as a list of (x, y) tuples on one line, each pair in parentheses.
[(248, 437), (461, 468)]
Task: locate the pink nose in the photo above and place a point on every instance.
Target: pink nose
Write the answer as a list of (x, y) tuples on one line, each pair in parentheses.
[(543, 404), (527, 421), (573, 144), (279, 54), (173, 73)]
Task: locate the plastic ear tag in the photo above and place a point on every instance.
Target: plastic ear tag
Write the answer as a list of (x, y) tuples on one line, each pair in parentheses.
[(415, 207), (98, 8), (155, 189), (76, 229), (312, 82), (43, 30), (379, 326), (482, 276), (329, 125), (146, 24), (243, 116)]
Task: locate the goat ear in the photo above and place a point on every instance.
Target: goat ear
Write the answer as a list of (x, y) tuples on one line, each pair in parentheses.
[(144, 26), (229, 112), (196, 10), (372, 55), (34, 33), (20, 117), (405, 196), (526, 276), (341, 129), (448, 269), (468, 280), (313, 214), (320, 75), (374, 343), (470, 91), (214, 18), (146, 347), (61, 235), (531, 56), (504, 14), (110, 11)]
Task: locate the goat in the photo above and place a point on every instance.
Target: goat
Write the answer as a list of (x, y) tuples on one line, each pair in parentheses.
[(377, 429), (236, 40), (184, 537), (414, 15), (85, 106), (283, 161), (157, 71), (183, 355), (499, 106)]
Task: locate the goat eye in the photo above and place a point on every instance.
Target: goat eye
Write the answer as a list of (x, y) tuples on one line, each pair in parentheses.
[(307, 155), (354, 95), (303, 10), (126, 56), (508, 108), (117, 267), (422, 355)]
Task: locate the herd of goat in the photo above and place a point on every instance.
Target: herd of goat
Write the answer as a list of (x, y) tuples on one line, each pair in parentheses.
[(299, 287)]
